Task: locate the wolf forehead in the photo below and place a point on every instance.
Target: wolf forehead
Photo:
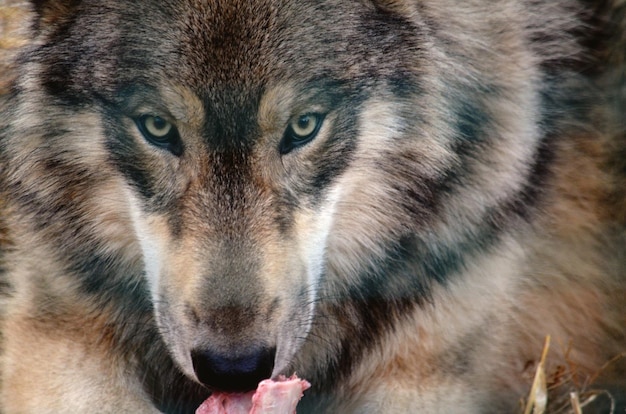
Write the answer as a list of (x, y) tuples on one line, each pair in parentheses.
[(219, 46)]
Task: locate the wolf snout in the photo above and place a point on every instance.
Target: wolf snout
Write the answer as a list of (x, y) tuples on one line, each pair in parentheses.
[(233, 373)]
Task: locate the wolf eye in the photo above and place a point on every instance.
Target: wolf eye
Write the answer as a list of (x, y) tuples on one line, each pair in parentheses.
[(160, 132), (300, 131)]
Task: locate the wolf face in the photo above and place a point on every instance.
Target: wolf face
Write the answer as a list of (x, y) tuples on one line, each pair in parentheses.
[(237, 175), (231, 191), (253, 140), (232, 258), (231, 140), (239, 172), (232, 172), (294, 185)]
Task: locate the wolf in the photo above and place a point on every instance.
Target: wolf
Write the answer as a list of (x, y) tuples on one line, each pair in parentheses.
[(398, 200)]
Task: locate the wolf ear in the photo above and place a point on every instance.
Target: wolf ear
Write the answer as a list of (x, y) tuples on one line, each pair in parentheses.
[(52, 12)]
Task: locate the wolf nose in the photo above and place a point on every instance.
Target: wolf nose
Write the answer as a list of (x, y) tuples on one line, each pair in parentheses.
[(227, 373)]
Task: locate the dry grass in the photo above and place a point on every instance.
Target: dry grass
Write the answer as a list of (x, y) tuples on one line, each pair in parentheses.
[(563, 392), (538, 398)]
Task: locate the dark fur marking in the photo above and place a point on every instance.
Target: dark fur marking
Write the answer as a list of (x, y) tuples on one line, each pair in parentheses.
[(230, 119), (135, 330), (334, 156), (525, 202), (389, 31), (125, 155), (399, 282), (471, 119), (170, 389), (61, 56), (101, 277)]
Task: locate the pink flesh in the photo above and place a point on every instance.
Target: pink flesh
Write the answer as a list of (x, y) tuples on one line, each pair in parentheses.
[(222, 403), (270, 397)]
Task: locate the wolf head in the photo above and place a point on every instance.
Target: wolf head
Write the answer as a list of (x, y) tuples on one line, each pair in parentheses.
[(273, 156)]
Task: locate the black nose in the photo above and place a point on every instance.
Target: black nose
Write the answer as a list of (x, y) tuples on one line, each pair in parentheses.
[(240, 373)]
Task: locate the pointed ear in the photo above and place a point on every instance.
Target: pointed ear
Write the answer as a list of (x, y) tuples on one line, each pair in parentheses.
[(52, 13)]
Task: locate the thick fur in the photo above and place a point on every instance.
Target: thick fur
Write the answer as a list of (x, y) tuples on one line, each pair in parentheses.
[(462, 200)]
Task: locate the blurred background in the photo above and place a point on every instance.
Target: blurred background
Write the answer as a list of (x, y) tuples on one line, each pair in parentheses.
[(13, 35)]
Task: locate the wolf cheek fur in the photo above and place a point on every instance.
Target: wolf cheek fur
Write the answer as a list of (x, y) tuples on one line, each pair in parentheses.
[(397, 200)]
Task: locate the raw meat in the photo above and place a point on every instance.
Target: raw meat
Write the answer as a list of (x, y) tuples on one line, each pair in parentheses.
[(223, 403), (271, 397)]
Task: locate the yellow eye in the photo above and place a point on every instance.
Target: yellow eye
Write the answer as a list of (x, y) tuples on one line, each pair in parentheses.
[(160, 132), (157, 127), (304, 125), (300, 131)]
